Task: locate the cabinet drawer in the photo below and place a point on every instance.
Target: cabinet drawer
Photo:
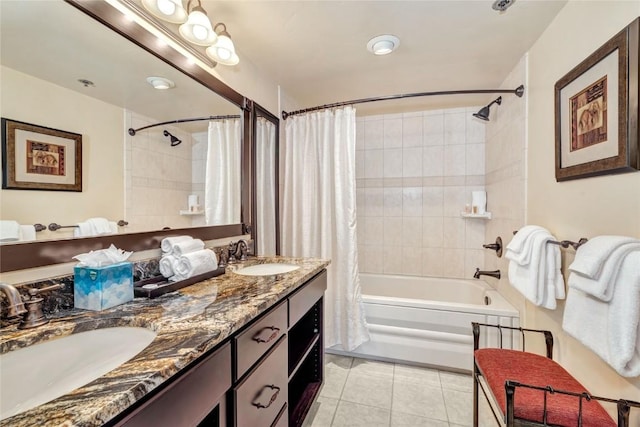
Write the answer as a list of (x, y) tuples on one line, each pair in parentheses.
[(283, 418), (304, 298), (260, 397), (251, 344), (188, 400)]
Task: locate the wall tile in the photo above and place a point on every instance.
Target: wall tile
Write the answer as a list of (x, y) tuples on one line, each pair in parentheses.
[(373, 163), (393, 231), (433, 201), (453, 263), (374, 134), (454, 233), (392, 163), (393, 202), (412, 231), (412, 131), (374, 201), (393, 133), (412, 257), (412, 162), (475, 159), (392, 259), (432, 262), (455, 128), (433, 161), (454, 160), (433, 232), (412, 202)]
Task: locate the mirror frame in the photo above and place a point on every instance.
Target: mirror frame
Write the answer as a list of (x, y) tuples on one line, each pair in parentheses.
[(21, 256), (259, 111)]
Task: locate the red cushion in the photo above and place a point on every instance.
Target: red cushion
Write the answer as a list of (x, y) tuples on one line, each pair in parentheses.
[(498, 365)]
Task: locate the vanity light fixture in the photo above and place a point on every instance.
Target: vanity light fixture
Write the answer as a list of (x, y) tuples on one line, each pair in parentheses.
[(160, 83), (383, 45), (168, 10), (197, 29), (223, 50), (483, 114)]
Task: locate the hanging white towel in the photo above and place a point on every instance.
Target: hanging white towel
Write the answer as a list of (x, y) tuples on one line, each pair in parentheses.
[(95, 227), (99, 226), (9, 231), (167, 265), (167, 243), (591, 256), (194, 263), (183, 248), (537, 275), (610, 329), (519, 248), (602, 286)]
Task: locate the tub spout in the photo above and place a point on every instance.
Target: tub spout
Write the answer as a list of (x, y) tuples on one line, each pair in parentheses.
[(478, 273)]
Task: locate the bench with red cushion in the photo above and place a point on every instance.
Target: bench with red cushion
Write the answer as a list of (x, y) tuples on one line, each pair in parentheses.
[(498, 366)]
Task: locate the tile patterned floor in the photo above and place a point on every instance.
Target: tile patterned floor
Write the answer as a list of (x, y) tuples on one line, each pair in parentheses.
[(360, 392)]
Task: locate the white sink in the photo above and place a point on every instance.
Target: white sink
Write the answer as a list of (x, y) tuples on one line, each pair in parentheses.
[(266, 269), (42, 372)]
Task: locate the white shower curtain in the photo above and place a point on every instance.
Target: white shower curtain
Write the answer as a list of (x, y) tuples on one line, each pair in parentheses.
[(319, 214), (266, 186), (222, 182)]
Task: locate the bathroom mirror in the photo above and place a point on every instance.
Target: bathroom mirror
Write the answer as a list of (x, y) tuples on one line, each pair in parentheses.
[(104, 177), (266, 207), (62, 69)]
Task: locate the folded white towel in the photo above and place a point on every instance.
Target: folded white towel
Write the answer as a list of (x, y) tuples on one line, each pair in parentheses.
[(100, 226), (84, 229), (9, 231), (519, 248), (540, 279), (167, 243), (27, 233), (113, 227), (194, 263), (610, 329), (183, 248), (603, 285), (168, 265), (591, 256)]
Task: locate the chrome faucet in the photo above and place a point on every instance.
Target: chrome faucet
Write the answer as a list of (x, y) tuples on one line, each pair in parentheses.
[(15, 306), (478, 273)]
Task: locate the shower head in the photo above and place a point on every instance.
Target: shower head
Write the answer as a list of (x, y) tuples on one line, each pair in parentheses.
[(483, 114), (174, 139)]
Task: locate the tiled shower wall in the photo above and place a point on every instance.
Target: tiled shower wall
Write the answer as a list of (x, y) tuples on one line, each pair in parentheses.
[(158, 176), (415, 173)]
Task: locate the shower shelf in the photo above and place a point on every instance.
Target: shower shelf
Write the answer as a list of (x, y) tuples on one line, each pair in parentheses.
[(486, 215), (189, 213)]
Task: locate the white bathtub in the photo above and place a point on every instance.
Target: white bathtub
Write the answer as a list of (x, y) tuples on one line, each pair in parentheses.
[(427, 320)]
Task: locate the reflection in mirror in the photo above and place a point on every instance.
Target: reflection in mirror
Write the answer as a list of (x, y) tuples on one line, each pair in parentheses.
[(266, 200), (146, 179)]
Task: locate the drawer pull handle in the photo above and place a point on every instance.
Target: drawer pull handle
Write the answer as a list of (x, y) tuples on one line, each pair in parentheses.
[(273, 336), (274, 396)]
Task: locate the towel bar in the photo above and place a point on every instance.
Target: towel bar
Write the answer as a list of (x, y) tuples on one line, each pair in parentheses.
[(55, 227), (566, 243)]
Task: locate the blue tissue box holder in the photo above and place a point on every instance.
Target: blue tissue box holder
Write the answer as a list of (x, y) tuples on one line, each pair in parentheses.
[(99, 288)]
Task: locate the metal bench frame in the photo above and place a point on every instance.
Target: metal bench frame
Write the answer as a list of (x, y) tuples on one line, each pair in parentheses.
[(624, 406)]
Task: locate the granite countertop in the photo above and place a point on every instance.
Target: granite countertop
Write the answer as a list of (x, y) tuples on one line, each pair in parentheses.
[(188, 323)]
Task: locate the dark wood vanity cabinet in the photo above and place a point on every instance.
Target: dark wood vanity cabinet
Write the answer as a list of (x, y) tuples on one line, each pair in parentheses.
[(266, 375), (278, 361)]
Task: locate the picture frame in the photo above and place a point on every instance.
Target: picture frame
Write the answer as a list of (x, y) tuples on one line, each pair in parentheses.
[(596, 111), (40, 158)]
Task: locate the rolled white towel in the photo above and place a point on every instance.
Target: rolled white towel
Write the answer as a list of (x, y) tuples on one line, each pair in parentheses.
[(194, 263), (9, 231), (168, 265), (591, 257), (167, 243), (186, 247)]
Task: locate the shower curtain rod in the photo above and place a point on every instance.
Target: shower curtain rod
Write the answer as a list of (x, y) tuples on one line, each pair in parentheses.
[(519, 91), (133, 131)]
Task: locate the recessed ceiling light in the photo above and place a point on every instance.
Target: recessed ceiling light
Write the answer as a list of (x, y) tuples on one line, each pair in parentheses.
[(160, 83), (86, 83), (383, 45), (502, 5)]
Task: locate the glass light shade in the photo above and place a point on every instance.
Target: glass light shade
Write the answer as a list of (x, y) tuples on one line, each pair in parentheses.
[(383, 47), (198, 29), (223, 51), (167, 10)]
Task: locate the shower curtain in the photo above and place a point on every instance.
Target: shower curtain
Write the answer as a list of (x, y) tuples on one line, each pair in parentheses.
[(319, 214), (222, 181), (266, 186)]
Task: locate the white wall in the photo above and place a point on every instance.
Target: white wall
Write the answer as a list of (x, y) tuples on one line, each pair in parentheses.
[(584, 207), (27, 99), (415, 173)]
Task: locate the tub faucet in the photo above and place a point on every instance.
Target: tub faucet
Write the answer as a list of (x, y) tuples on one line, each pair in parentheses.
[(478, 273), (15, 306)]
